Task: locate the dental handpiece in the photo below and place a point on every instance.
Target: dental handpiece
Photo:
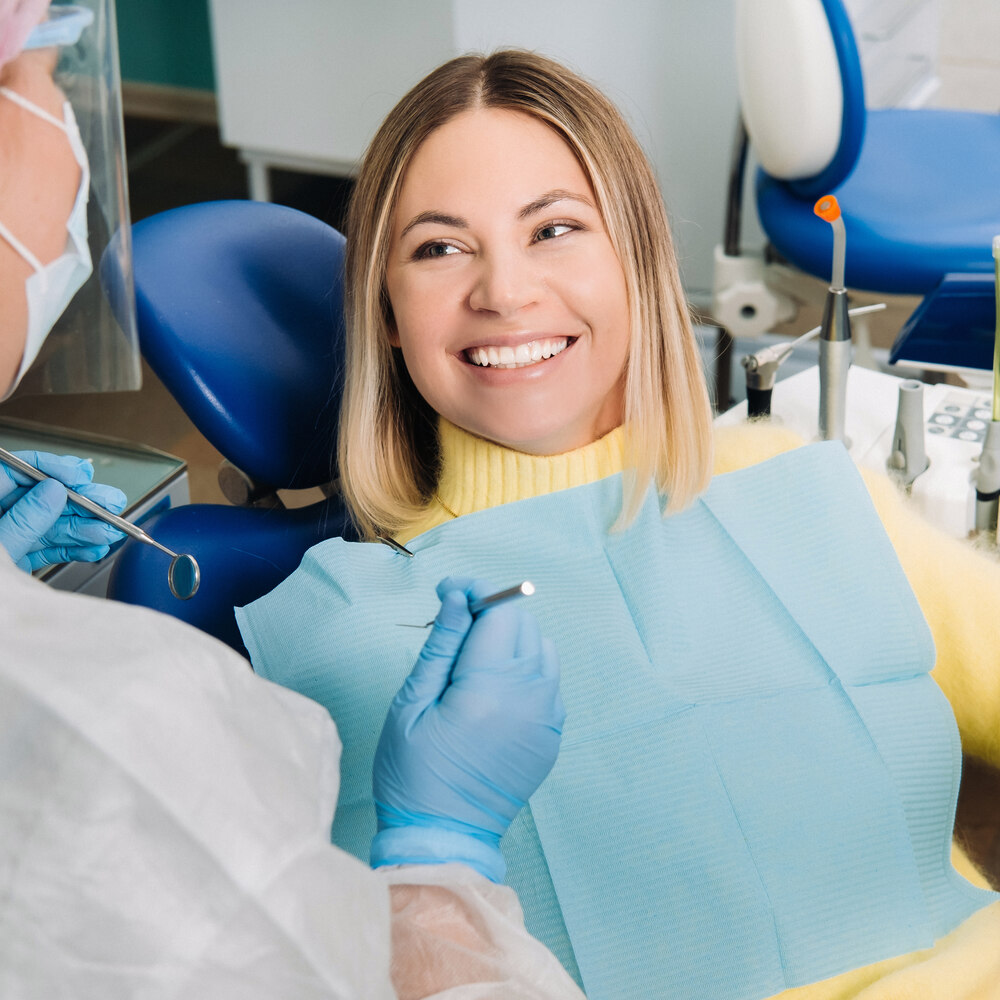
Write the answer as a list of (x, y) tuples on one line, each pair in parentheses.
[(835, 347), (762, 366), (986, 480), (987, 475)]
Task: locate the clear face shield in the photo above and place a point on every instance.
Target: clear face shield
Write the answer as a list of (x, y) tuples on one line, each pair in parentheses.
[(64, 220)]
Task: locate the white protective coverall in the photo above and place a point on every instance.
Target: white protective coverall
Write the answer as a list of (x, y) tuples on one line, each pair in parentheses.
[(164, 832)]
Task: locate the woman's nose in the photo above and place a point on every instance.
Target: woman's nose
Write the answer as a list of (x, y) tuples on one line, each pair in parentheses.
[(505, 283)]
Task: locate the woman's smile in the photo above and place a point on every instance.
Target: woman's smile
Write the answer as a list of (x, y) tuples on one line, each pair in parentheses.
[(523, 355)]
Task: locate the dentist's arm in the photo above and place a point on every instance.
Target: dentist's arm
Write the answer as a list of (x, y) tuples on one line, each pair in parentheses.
[(470, 736)]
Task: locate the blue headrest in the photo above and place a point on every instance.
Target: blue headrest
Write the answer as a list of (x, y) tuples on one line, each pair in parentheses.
[(852, 129), (239, 308)]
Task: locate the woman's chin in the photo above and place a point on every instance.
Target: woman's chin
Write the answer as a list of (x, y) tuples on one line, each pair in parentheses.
[(535, 439)]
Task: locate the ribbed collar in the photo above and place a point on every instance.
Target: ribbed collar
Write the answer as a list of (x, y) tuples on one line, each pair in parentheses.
[(476, 473)]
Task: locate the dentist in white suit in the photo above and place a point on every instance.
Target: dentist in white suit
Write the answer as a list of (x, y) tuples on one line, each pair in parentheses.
[(165, 814)]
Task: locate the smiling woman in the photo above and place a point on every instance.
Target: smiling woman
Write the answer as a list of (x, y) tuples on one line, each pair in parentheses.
[(506, 215), (755, 790)]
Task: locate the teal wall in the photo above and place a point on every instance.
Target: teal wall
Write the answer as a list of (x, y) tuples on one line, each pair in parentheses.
[(166, 42)]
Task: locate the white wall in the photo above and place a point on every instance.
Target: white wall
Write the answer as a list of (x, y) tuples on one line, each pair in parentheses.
[(311, 79)]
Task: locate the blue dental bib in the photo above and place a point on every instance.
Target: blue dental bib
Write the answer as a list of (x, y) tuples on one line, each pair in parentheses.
[(757, 779)]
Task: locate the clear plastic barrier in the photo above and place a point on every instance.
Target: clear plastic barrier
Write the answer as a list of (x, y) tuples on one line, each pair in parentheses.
[(93, 345)]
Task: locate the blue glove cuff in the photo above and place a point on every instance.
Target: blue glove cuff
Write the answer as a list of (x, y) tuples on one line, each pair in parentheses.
[(419, 845)]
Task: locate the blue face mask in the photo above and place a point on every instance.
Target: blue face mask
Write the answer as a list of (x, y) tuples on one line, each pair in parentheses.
[(63, 26), (52, 286)]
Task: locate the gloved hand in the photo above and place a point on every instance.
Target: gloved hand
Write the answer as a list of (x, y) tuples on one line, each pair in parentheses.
[(470, 735), (38, 527)]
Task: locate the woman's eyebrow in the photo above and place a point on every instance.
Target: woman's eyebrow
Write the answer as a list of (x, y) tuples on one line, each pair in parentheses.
[(440, 218), (550, 198), (538, 205)]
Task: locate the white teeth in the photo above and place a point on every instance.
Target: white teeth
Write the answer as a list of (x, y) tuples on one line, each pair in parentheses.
[(517, 357)]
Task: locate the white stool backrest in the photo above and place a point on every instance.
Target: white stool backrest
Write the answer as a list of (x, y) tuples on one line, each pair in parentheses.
[(791, 92)]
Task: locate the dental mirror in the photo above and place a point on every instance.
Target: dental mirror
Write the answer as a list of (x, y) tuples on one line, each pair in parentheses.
[(183, 577)]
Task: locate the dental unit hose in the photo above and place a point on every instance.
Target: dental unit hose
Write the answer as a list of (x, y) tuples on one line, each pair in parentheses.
[(987, 475), (835, 345)]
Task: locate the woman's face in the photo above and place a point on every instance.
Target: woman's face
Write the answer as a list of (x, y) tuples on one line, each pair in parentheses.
[(508, 299)]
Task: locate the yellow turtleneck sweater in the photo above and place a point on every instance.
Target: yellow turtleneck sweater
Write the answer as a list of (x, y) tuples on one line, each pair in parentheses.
[(958, 590)]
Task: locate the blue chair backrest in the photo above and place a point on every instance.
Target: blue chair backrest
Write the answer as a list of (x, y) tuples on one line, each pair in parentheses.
[(240, 314)]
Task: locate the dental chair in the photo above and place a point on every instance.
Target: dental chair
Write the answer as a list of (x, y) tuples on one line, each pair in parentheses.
[(239, 308), (918, 188)]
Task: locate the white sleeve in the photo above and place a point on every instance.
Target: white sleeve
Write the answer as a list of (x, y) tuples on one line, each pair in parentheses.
[(165, 818), (164, 831), (458, 936)]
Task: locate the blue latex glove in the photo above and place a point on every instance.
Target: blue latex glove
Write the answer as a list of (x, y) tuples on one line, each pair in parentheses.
[(38, 527), (470, 735)]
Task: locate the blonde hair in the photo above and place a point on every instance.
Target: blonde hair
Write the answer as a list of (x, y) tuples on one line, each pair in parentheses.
[(388, 444)]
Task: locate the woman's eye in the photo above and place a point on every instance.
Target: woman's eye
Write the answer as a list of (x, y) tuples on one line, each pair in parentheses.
[(553, 230), (429, 250)]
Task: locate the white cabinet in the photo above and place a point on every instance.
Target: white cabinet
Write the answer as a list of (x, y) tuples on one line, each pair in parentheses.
[(304, 84)]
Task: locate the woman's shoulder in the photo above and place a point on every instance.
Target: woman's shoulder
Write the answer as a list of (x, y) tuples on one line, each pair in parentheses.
[(743, 445)]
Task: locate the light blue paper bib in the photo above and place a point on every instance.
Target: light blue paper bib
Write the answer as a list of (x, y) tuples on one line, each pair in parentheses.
[(757, 779)]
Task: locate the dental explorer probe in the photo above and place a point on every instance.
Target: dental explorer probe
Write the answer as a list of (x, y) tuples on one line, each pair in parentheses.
[(835, 344), (183, 577), (524, 589)]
